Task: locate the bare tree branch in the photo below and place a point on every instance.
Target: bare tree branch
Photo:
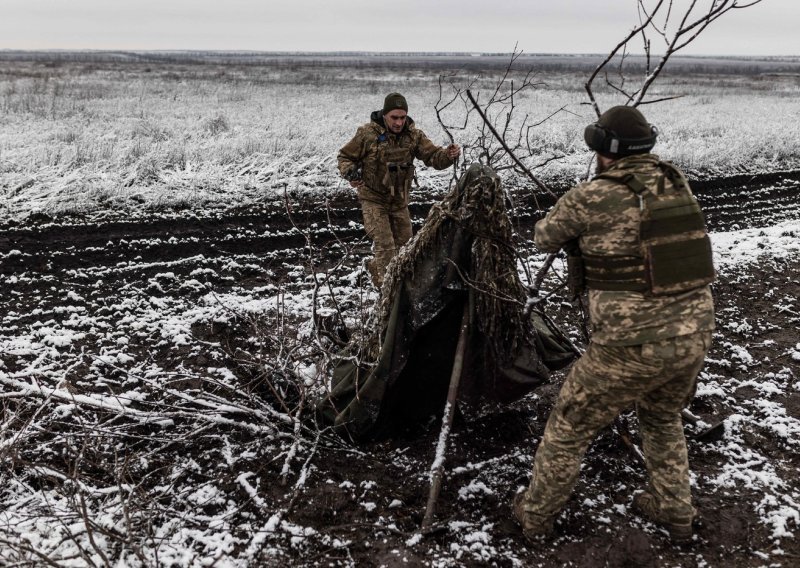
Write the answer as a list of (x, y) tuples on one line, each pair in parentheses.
[(620, 45), (690, 24), (502, 142)]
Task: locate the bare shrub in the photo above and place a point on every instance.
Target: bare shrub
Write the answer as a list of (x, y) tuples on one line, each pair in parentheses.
[(216, 125), (148, 128), (175, 156), (146, 170)]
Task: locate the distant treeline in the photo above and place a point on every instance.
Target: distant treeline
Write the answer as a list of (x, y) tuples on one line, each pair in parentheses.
[(433, 61)]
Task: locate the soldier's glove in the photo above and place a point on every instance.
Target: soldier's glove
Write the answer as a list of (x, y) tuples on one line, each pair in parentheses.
[(576, 270), (353, 174)]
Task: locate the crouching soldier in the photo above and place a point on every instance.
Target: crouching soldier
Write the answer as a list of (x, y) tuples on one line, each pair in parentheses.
[(379, 163), (647, 264)]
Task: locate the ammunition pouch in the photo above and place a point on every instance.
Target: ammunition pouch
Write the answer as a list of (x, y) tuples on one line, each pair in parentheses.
[(398, 178), (399, 170)]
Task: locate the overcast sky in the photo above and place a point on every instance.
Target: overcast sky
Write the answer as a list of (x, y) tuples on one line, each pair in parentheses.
[(538, 26)]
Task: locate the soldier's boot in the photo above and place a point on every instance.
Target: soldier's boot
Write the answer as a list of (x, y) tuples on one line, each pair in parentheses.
[(535, 527), (680, 530)]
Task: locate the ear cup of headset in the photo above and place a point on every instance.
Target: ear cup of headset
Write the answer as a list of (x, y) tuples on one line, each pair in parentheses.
[(595, 137), (601, 139)]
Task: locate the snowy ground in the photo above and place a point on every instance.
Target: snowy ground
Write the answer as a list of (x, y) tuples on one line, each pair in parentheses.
[(150, 414), (157, 368)]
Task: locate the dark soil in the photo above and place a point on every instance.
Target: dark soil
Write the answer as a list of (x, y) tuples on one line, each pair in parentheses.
[(372, 497)]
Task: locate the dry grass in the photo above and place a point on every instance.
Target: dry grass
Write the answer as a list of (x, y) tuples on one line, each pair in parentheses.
[(80, 136)]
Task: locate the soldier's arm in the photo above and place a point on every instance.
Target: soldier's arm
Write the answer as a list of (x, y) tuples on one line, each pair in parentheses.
[(352, 153), (564, 223), (431, 154)]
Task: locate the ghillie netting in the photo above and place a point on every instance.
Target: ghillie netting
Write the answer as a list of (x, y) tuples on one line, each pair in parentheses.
[(464, 254), (477, 208)]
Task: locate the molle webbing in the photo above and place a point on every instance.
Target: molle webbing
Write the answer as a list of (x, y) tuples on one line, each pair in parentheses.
[(617, 273)]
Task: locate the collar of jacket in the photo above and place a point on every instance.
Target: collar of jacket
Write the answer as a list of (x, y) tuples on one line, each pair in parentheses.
[(634, 162), (377, 118)]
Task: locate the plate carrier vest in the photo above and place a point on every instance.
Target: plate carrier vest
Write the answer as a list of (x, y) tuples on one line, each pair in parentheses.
[(675, 248)]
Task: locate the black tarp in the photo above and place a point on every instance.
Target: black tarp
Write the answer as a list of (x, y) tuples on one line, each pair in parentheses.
[(463, 256)]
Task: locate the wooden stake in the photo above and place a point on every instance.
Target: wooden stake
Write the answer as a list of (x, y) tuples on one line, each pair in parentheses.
[(447, 420)]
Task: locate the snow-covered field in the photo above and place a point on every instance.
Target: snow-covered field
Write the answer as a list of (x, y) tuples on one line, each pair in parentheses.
[(83, 136), (155, 383)]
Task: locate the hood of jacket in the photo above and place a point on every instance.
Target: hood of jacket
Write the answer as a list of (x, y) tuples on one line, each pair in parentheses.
[(377, 117)]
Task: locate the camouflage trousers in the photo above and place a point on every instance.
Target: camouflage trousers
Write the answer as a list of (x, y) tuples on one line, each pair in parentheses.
[(659, 379), (389, 227)]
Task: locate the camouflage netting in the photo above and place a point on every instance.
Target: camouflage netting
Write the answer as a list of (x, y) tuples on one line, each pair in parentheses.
[(476, 206), (463, 256)]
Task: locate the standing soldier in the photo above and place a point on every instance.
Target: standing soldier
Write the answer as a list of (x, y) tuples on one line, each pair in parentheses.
[(379, 163), (646, 261)]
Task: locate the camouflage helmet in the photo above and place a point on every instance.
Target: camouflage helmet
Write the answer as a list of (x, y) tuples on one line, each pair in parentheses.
[(394, 101), (621, 131)]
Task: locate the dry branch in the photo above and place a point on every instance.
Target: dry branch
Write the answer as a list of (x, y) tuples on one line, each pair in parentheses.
[(691, 23), (502, 142)]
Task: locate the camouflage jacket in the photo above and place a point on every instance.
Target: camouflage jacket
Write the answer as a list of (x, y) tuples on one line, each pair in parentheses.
[(387, 159), (603, 216)]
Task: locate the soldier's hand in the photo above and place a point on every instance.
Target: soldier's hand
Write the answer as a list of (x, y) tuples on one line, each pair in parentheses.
[(357, 183), (453, 151)]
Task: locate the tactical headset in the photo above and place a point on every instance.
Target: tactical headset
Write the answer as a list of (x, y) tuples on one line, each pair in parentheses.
[(606, 141)]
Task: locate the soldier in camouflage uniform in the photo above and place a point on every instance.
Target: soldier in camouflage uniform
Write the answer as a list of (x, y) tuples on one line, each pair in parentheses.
[(379, 163), (646, 349)]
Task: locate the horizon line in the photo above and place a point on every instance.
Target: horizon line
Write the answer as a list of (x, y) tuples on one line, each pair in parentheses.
[(377, 53)]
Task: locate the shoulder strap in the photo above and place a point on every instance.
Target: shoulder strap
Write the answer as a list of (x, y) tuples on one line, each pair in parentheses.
[(668, 170), (674, 175), (628, 179)]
